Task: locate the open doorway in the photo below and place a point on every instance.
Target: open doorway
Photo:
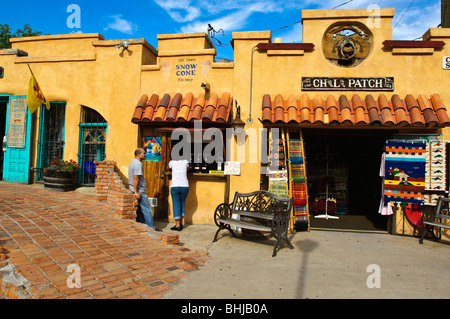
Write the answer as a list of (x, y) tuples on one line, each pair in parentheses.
[(3, 104), (343, 170)]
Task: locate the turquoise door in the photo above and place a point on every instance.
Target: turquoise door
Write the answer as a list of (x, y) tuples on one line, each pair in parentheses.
[(16, 163)]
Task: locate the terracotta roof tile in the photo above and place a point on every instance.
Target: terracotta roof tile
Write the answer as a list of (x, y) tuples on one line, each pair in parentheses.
[(174, 107), (183, 108), (140, 107), (373, 110), (360, 110)]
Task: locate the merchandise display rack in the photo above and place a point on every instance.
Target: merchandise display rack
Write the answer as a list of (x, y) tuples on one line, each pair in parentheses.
[(298, 189)]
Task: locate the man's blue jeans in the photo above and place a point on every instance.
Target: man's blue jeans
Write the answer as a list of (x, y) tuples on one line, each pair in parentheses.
[(146, 210), (179, 195)]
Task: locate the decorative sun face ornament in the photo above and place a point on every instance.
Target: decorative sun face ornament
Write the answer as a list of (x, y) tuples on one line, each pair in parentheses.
[(347, 44)]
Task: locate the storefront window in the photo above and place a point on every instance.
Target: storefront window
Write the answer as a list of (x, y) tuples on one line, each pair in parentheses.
[(204, 149)]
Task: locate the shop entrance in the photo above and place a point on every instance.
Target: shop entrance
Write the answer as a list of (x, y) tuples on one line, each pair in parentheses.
[(3, 103), (344, 185)]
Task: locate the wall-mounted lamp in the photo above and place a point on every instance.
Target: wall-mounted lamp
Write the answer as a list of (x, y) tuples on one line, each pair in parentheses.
[(206, 87), (2, 72), (123, 45), (238, 124)]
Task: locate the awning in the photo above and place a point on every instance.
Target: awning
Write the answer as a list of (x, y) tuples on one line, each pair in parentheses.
[(359, 111), (183, 109)]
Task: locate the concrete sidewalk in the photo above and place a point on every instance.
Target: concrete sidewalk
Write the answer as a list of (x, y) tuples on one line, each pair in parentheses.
[(323, 264)]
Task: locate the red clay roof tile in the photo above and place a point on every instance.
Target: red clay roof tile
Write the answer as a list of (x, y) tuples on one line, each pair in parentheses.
[(423, 102), (319, 115), (331, 102), (437, 103), (140, 108), (361, 110), (305, 116), (374, 116), (430, 117), (183, 109), (187, 101)]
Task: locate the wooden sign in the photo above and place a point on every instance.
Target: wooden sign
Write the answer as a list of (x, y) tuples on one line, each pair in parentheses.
[(17, 122), (347, 84)]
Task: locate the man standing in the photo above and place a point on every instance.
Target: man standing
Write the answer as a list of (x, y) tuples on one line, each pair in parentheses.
[(138, 185)]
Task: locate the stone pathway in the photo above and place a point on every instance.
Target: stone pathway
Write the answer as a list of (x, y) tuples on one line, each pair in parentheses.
[(48, 236)]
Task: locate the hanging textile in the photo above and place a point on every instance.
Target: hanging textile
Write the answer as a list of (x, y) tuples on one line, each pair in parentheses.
[(278, 177), (385, 208), (405, 172), (435, 172), (299, 188)]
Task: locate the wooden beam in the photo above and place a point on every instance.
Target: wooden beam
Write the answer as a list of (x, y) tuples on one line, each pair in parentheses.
[(445, 13)]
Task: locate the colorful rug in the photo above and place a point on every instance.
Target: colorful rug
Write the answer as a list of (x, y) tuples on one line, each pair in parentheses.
[(405, 172)]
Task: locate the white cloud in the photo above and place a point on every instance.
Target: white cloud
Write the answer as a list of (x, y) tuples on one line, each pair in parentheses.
[(416, 22), (180, 10), (235, 20), (122, 25)]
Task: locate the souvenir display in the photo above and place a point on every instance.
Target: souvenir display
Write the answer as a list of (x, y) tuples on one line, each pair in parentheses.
[(298, 185), (278, 179)]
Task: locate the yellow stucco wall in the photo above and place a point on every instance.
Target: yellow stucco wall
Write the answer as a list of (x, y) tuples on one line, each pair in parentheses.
[(85, 69)]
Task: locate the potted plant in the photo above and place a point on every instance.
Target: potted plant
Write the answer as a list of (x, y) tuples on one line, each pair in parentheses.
[(61, 175)]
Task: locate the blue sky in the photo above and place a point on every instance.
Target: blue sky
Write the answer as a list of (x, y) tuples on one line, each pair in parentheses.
[(146, 18)]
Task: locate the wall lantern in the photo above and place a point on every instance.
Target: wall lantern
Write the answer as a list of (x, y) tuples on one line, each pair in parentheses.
[(2, 72), (238, 124), (206, 87), (124, 45)]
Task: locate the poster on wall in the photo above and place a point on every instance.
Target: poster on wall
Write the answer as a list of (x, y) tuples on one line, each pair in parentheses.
[(153, 147), (17, 123)]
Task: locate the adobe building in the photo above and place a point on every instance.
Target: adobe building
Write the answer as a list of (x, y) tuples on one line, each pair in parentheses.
[(318, 115)]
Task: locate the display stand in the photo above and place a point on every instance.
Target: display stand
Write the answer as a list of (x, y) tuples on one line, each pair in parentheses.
[(298, 184), (278, 175), (326, 216)]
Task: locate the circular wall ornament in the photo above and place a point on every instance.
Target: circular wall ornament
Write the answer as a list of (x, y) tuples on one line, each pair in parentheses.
[(347, 44)]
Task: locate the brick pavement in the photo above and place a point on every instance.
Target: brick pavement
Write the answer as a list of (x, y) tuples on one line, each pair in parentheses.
[(42, 232)]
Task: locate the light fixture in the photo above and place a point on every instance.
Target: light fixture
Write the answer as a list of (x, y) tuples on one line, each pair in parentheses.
[(123, 45), (206, 87), (238, 124)]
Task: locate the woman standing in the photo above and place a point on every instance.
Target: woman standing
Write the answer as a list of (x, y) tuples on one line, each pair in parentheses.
[(179, 190)]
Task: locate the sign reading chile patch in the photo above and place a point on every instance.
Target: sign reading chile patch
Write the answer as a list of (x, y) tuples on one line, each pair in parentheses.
[(347, 84)]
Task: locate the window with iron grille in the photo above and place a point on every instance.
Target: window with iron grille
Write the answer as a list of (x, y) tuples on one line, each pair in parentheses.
[(92, 144)]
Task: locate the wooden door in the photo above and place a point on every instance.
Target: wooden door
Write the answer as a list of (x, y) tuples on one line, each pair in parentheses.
[(154, 170), (18, 141)]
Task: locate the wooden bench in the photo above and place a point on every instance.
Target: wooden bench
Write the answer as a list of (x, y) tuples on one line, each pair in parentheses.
[(434, 216), (260, 211)]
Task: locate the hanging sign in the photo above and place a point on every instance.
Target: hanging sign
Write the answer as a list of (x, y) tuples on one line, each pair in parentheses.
[(446, 62), (347, 84), (17, 122), (232, 168)]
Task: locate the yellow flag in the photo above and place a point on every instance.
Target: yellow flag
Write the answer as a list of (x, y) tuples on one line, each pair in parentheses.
[(35, 97)]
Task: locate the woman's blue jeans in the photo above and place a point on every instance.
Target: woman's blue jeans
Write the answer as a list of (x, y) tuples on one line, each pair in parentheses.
[(179, 195)]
